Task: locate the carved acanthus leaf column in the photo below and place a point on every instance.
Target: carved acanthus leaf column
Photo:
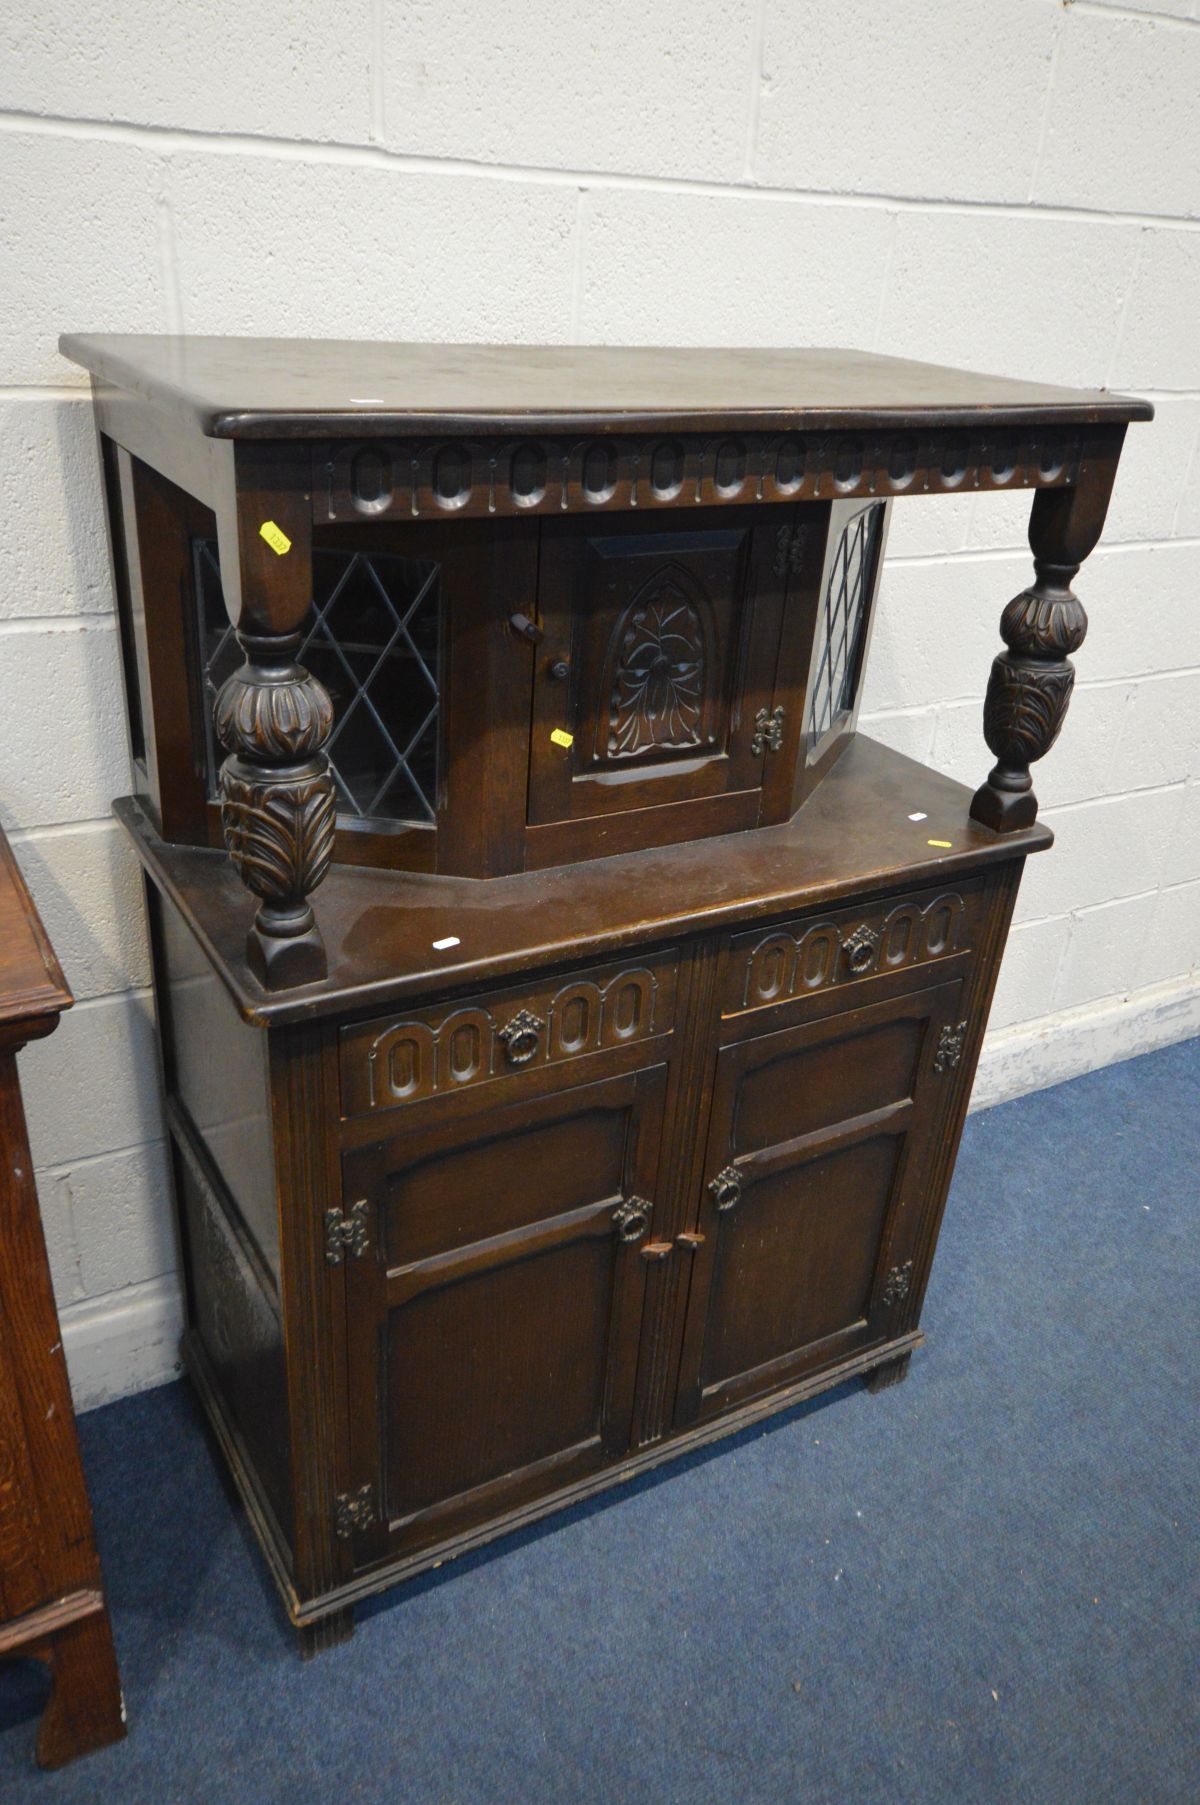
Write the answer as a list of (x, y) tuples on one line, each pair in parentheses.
[(273, 717), (1031, 682)]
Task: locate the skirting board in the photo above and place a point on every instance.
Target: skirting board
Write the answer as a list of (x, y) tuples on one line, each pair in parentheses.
[(128, 1340), (123, 1342), (1031, 1056)]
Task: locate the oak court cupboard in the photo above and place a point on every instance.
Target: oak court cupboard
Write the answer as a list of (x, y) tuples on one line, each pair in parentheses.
[(567, 1017)]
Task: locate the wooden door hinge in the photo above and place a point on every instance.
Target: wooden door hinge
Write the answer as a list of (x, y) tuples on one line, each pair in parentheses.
[(789, 550), (949, 1047), (353, 1511), (768, 731), (896, 1284)]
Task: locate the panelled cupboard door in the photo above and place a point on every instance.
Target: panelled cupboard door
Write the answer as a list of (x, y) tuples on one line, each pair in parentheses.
[(818, 1148), (495, 1306), (660, 649)]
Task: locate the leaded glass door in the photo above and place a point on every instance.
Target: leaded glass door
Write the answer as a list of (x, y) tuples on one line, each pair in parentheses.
[(843, 626), (374, 640)]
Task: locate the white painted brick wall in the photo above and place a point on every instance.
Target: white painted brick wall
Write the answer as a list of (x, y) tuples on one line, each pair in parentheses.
[(1013, 186)]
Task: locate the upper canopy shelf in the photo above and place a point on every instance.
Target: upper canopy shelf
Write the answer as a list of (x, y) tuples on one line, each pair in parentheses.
[(272, 388)]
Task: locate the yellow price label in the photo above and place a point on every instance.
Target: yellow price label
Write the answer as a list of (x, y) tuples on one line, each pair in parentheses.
[(559, 738), (275, 537)]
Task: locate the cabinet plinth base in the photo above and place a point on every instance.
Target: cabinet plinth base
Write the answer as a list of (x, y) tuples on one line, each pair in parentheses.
[(326, 1632), (84, 1711), (892, 1372)]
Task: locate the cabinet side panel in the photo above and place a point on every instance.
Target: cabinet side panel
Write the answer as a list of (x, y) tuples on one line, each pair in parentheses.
[(216, 1068), (234, 1316), (1000, 896)]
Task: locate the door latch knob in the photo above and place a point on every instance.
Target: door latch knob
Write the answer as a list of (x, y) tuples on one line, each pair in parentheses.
[(528, 629)]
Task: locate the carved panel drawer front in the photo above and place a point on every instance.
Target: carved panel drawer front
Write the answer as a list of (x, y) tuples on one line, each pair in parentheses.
[(817, 952), (413, 1055)]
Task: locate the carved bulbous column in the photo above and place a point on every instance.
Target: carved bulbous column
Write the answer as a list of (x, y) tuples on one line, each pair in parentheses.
[(1028, 692), (277, 802)]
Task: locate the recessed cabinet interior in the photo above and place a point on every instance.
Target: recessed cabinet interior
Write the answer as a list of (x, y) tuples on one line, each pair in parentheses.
[(567, 1015)]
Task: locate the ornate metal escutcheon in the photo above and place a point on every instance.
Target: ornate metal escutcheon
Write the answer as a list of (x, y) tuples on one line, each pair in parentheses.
[(348, 1234), (520, 1037), (726, 1188), (631, 1218), (859, 948)]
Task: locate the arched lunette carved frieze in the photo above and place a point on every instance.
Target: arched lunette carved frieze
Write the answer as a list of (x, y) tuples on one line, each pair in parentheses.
[(431, 1055), (788, 963), (389, 478)]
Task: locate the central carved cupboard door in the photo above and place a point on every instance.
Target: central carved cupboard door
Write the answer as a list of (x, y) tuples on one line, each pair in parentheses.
[(656, 678), (494, 1292), (817, 1165)]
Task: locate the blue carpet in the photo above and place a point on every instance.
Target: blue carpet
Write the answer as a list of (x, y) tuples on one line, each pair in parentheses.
[(979, 1586)]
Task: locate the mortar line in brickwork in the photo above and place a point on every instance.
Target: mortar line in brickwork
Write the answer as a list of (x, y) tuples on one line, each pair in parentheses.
[(1192, 474), (577, 242), (375, 75), (44, 391), (56, 830), (1136, 678), (62, 1168), (1098, 9), (1047, 99), (983, 554), (1114, 361), (137, 993), (61, 623), (885, 282), (1053, 810), (164, 210), (757, 82), (163, 140)]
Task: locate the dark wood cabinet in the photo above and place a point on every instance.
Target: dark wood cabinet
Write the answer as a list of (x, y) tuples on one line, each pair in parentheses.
[(588, 1079), (817, 1161), (500, 1308), (52, 1604), (660, 649)]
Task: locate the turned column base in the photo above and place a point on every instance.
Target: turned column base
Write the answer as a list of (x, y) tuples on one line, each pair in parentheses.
[(284, 947), (278, 964), (1003, 810)]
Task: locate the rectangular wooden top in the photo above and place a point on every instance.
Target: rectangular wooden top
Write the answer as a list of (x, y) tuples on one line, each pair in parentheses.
[(854, 836), (31, 980), (276, 388)]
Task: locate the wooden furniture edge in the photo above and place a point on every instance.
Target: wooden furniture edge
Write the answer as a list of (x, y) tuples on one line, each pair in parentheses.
[(164, 864), (48, 1619)]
